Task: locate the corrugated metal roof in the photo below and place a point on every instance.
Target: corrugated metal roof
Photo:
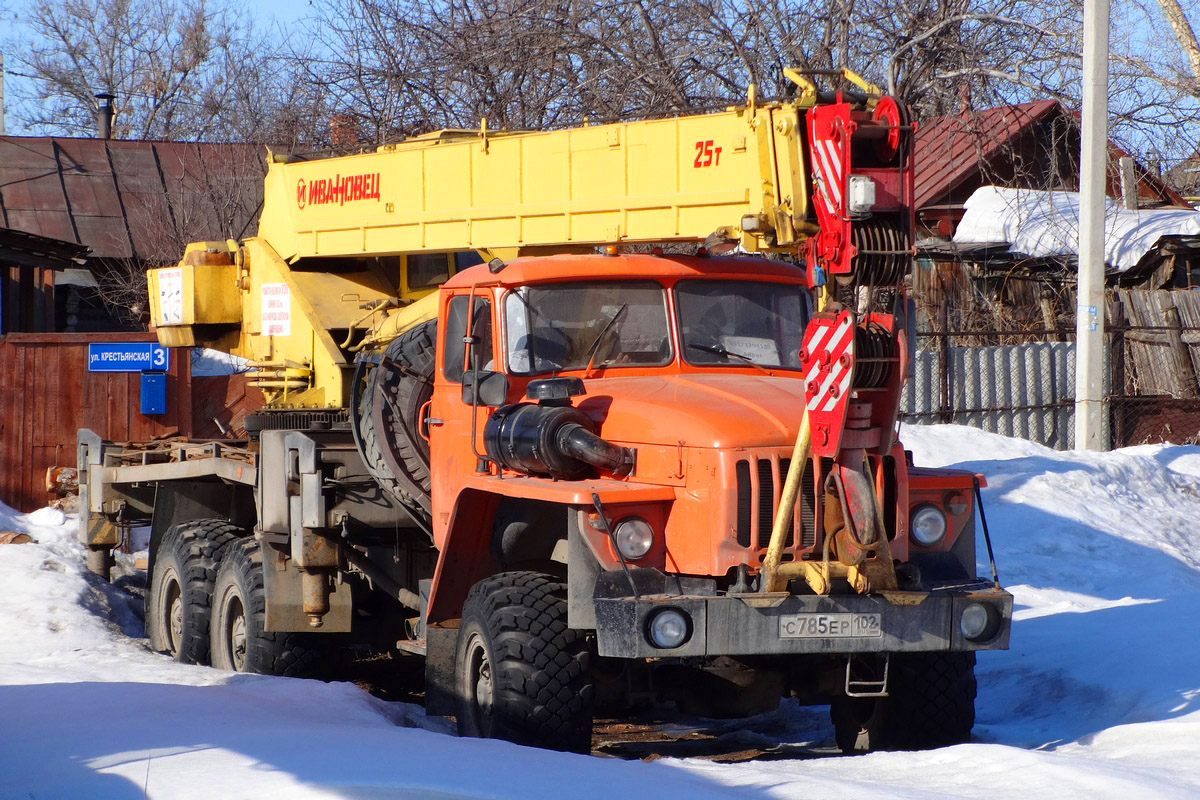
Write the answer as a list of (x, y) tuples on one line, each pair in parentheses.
[(954, 152), (950, 149), (129, 199)]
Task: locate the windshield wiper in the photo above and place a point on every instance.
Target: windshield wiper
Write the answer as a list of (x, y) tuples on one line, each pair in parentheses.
[(610, 326), (721, 351)]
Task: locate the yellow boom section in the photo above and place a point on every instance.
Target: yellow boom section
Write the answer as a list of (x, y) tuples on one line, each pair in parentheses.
[(650, 181), (344, 244)]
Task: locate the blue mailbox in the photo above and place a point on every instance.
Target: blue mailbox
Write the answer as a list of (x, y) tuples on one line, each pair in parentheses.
[(154, 393)]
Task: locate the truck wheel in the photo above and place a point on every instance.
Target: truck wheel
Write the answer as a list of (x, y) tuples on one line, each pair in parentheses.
[(930, 703), (522, 674), (394, 449), (238, 639), (179, 603)]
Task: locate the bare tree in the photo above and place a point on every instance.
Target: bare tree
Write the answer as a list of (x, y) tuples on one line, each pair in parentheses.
[(181, 69)]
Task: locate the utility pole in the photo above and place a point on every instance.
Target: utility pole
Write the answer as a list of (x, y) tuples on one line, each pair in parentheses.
[(2, 77), (1090, 422)]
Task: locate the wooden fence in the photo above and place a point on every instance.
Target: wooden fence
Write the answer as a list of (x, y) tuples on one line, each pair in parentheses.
[(1162, 340), (46, 394)]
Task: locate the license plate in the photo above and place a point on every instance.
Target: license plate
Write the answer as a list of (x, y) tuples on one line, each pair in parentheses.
[(830, 626)]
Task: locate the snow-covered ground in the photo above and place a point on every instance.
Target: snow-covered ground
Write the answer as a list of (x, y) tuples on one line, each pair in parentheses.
[(1097, 698)]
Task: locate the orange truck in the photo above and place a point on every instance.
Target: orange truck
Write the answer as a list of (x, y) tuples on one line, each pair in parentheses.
[(565, 470)]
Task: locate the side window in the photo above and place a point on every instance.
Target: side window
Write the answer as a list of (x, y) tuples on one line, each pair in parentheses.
[(456, 328), (430, 270), (427, 270)]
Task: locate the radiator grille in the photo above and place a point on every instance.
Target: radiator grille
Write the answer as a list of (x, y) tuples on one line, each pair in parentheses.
[(758, 483), (744, 502)]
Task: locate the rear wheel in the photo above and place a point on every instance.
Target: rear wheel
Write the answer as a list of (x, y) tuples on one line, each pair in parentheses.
[(179, 603), (522, 674), (930, 703), (238, 637)]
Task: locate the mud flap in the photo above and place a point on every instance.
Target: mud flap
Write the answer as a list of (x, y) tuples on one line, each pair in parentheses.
[(440, 692)]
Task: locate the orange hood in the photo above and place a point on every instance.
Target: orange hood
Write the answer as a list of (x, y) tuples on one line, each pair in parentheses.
[(699, 409)]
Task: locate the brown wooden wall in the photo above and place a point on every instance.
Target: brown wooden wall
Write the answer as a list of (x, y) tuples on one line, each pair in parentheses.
[(46, 394)]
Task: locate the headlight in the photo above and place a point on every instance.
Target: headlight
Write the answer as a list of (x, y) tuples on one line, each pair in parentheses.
[(634, 537), (975, 621), (668, 628), (928, 525)]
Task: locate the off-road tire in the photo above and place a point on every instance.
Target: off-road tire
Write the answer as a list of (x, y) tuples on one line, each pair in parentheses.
[(394, 449), (237, 636), (179, 602), (522, 674), (930, 703)]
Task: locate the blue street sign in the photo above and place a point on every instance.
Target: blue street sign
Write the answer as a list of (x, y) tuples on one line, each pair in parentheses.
[(128, 357)]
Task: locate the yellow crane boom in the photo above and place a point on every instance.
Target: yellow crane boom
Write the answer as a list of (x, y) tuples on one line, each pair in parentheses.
[(345, 244)]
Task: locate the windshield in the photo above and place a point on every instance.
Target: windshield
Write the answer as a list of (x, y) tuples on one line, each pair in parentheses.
[(570, 325), (734, 323)]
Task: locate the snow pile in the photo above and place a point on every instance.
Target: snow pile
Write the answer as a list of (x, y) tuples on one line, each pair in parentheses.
[(209, 363), (1046, 224), (1098, 696)]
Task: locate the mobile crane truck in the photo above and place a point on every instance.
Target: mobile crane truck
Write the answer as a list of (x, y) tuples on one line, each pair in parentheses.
[(562, 472)]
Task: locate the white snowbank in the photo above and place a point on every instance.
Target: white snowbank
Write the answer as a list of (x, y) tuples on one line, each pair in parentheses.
[(1047, 224), (209, 363), (1099, 696)]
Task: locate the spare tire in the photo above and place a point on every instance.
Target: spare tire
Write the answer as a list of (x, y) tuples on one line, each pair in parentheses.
[(391, 433)]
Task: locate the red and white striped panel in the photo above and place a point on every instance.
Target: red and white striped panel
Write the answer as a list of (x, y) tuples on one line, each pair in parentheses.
[(828, 374), (828, 165)]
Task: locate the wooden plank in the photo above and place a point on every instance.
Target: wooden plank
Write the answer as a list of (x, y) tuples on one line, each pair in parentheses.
[(116, 406), (1179, 360), (141, 427), (13, 440), (1161, 362), (42, 457), (184, 392), (27, 435), (41, 360), (91, 413), (80, 338), (9, 452), (73, 363), (1187, 303)]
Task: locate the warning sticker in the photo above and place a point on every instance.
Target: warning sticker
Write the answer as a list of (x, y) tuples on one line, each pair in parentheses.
[(170, 296), (276, 310)]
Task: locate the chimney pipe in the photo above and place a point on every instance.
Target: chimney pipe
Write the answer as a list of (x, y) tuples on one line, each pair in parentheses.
[(104, 115)]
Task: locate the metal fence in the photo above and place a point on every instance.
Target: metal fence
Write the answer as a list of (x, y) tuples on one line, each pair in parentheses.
[(1022, 390), (1025, 387)]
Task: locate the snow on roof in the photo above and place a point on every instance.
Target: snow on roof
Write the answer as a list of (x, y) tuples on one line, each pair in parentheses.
[(1042, 224)]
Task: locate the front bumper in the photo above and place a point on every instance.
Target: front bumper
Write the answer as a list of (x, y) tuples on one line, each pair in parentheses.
[(758, 624)]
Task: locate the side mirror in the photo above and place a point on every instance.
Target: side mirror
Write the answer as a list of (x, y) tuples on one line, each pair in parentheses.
[(492, 391)]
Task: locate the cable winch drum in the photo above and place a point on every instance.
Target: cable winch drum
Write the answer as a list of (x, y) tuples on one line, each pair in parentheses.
[(870, 345), (884, 254)]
